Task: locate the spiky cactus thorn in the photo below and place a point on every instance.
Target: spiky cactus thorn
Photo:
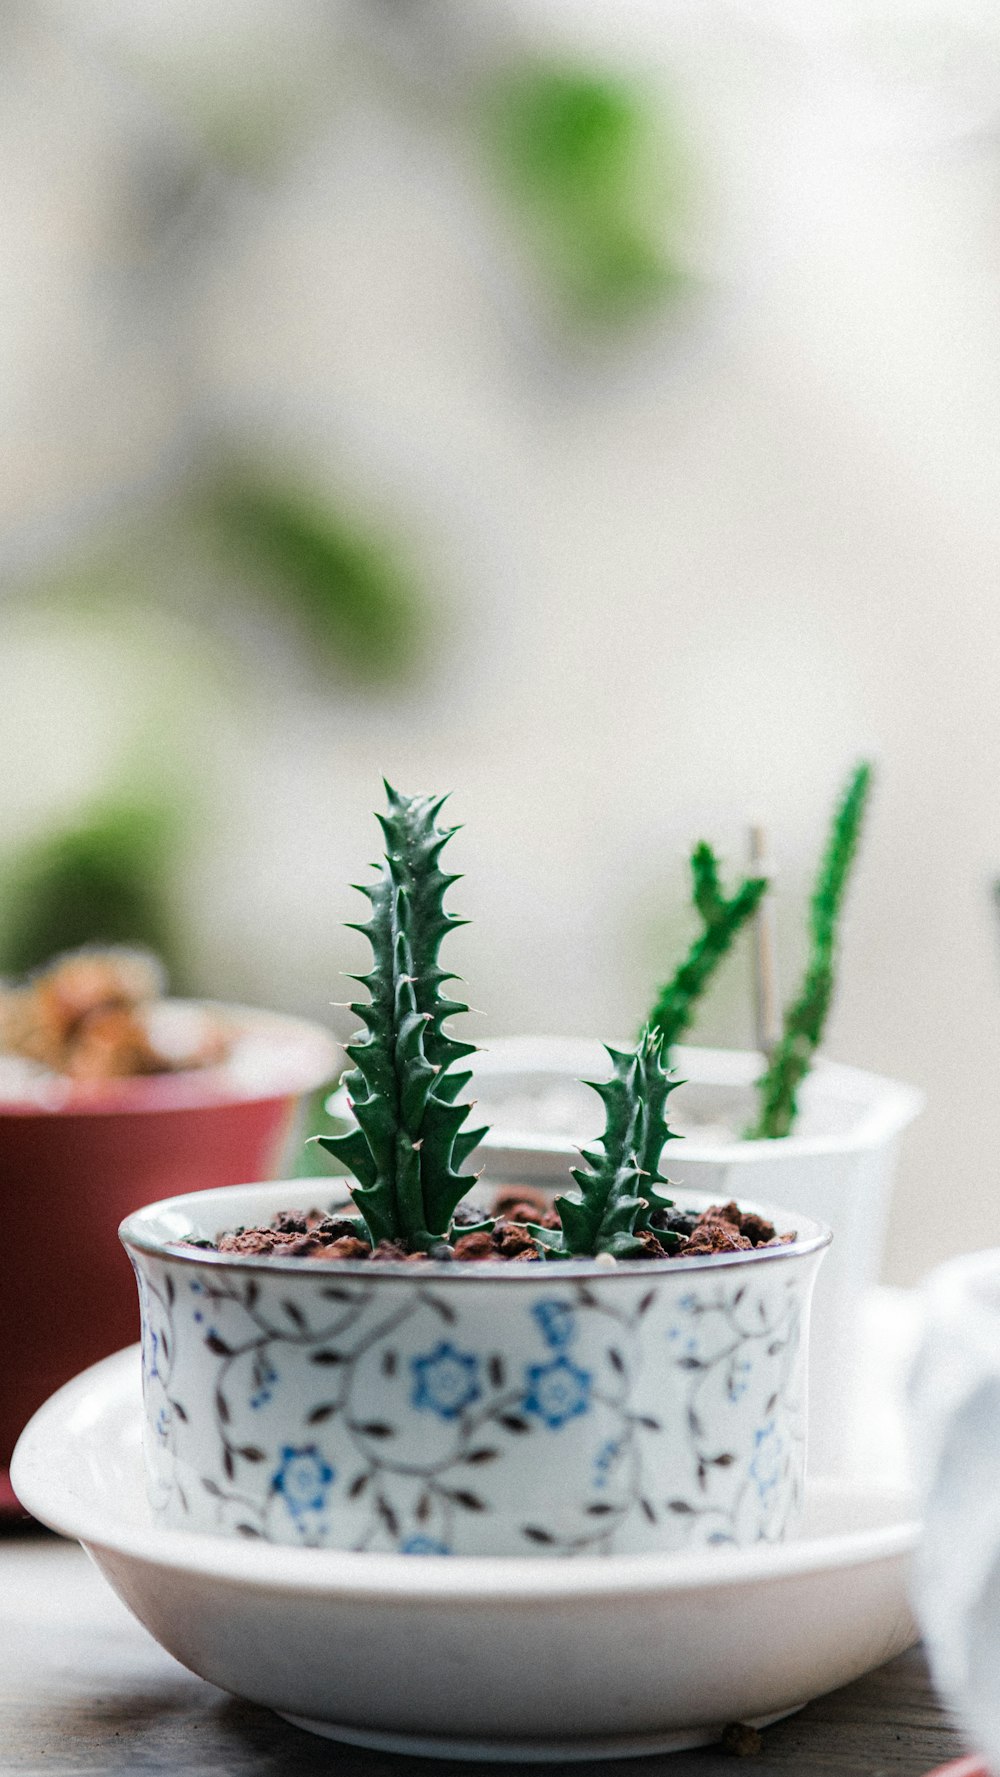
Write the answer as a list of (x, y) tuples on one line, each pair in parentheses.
[(409, 1145), (618, 1186)]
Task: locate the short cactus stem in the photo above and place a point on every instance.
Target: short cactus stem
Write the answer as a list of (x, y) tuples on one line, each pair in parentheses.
[(618, 1186)]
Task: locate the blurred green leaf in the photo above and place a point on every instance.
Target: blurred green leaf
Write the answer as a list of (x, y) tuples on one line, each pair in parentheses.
[(582, 154), (345, 583), (99, 880)]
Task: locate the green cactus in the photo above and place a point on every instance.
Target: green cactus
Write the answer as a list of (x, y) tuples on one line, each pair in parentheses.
[(804, 1019), (618, 1186), (722, 919), (409, 1144)]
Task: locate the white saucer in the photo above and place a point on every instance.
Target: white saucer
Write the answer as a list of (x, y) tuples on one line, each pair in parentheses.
[(488, 1658)]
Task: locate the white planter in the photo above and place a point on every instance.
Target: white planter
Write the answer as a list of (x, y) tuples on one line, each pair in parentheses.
[(472, 1409), (837, 1168)]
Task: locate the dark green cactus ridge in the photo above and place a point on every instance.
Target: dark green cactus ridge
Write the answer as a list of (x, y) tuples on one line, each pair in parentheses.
[(409, 1145), (618, 1185), (805, 1018), (722, 917)]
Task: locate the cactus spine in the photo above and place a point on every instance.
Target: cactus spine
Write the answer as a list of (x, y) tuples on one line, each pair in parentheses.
[(409, 1145)]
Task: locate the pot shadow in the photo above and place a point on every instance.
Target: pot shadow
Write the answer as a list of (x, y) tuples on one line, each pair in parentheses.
[(271, 1747), (891, 1713)]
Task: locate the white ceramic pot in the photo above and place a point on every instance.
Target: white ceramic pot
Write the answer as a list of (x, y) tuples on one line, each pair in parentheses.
[(954, 1400), (541, 1409), (837, 1168)]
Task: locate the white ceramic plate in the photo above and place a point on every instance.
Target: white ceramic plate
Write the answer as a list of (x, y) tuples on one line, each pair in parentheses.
[(484, 1658)]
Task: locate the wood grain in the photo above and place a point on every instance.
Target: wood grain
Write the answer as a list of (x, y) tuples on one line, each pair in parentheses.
[(84, 1689)]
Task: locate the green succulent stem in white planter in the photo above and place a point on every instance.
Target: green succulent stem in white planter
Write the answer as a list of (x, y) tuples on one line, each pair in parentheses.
[(796, 1130)]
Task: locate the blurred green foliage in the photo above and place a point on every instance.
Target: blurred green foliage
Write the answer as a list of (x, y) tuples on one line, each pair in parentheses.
[(586, 162), (345, 583), (104, 875), (100, 879), (583, 156)]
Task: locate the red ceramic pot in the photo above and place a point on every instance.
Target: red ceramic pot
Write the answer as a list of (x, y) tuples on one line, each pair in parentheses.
[(72, 1167)]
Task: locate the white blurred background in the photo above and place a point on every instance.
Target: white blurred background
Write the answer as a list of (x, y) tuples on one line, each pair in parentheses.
[(664, 554)]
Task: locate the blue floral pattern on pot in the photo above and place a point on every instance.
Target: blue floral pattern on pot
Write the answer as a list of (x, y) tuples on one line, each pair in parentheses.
[(557, 1391), (547, 1412), (446, 1380), (303, 1479), (557, 1322)]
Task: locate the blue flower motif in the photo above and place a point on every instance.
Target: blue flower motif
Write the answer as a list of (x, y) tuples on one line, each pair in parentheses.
[(162, 1425), (767, 1459), (423, 1545), (446, 1380), (557, 1391), (557, 1321), (605, 1461), (304, 1479)]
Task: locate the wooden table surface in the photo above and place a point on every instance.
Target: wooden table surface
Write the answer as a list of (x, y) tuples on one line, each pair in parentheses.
[(83, 1688)]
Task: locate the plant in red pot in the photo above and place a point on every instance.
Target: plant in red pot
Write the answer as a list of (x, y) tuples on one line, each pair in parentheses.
[(112, 1096)]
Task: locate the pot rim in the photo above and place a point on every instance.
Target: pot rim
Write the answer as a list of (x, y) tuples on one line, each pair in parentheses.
[(135, 1239), (313, 1056), (885, 1106)]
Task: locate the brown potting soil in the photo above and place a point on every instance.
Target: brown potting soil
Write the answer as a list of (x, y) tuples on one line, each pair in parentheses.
[(310, 1234)]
